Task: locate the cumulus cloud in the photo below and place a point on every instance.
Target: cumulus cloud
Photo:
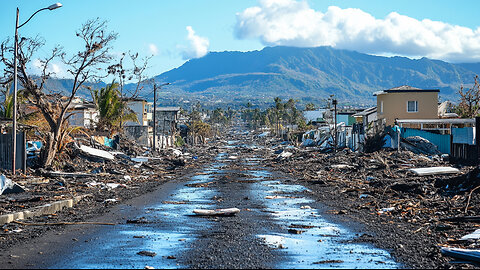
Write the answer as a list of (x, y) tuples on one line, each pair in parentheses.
[(295, 23), (152, 48), (56, 69), (197, 45)]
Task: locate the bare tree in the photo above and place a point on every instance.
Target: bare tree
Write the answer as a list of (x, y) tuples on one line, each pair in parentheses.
[(133, 74), (82, 66), (469, 106)]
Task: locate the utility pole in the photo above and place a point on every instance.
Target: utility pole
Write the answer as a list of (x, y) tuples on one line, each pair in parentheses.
[(154, 117), (15, 87), (335, 125)]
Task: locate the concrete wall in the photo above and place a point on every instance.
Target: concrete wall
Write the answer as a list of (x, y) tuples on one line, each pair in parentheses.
[(166, 122), (138, 108), (138, 134), (395, 106)]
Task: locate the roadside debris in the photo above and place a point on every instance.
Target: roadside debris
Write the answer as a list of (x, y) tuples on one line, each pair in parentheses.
[(7, 186), (147, 253), (461, 253), (435, 170), (96, 153), (416, 192), (217, 212)]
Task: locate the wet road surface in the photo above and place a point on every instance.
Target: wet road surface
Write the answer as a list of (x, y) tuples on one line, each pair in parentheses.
[(280, 226)]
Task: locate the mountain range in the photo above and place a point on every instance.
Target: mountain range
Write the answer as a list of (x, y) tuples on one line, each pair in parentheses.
[(306, 74)]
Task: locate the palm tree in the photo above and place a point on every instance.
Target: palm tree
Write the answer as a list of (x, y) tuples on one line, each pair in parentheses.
[(6, 108), (113, 111)]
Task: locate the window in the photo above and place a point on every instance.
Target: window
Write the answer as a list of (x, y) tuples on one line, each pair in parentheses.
[(412, 106), (381, 106)]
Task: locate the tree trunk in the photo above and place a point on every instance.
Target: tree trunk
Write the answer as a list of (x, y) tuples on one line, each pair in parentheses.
[(50, 150)]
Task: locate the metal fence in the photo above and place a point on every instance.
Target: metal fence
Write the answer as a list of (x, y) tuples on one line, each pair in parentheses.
[(6, 151), (441, 141)]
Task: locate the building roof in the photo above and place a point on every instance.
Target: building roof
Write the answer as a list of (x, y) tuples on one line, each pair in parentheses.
[(437, 121), (83, 106), (314, 115), (403, 89), (167, 109), (366, 112)]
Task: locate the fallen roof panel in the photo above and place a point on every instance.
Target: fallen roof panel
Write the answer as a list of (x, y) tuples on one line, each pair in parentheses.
[(434, 170)]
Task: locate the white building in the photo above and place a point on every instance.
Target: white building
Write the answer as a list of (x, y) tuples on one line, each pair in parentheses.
[(314, 116), (83, 115), (142, 109)]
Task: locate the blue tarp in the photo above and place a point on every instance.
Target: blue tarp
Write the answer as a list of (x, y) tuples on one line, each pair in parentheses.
[(109, 142)]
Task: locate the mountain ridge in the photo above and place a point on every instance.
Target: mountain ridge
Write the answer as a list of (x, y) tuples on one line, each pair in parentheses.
[(307, 74)]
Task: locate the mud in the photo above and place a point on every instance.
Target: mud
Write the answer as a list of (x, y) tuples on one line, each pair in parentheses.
[(296, 212)]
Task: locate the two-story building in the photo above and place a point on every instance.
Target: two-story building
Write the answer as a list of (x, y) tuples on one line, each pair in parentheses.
[(142, 109), (406, 102)]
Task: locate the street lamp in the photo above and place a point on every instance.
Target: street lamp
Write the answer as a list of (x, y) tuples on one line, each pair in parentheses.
[(14, 120), (155, 112)]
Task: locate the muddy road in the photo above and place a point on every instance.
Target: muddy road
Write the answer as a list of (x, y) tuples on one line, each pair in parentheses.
[(280, 226)]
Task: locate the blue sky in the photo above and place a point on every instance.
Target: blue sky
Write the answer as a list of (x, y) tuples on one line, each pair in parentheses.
[(159, 27)]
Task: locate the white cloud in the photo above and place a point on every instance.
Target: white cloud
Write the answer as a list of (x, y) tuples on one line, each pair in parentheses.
[(294, 23), (197, 45), (57, 69), (153, 49)]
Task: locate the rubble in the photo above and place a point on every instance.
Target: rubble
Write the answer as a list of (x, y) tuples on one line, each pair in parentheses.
[(382, 189), (396, 194), (147, 253), (100, 175), (7, 186)]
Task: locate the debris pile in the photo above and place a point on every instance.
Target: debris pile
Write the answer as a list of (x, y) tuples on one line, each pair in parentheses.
[(419, 193), (110, 175)]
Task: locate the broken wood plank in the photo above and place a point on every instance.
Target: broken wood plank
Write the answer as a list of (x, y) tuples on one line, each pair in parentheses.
[(217, 212)]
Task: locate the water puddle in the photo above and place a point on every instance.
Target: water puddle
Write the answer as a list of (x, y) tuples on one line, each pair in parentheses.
[(307, 238), (167, 229)]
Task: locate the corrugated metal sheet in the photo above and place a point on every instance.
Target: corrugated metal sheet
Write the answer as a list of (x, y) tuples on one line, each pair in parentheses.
[(6, 151), (464, 135), (441, 141)]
